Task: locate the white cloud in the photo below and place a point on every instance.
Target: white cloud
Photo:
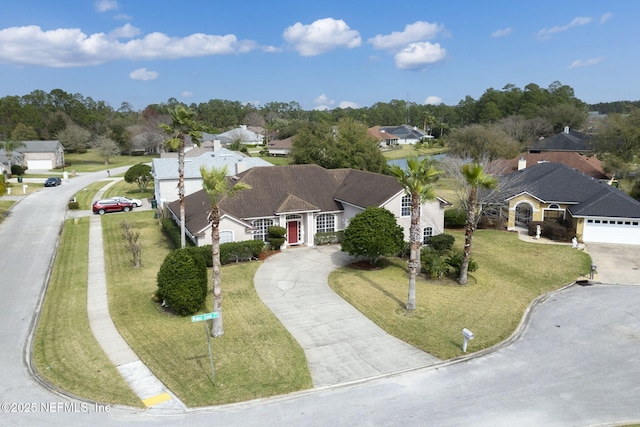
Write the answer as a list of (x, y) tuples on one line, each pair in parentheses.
[(433, 100), (418, 55), (418, 31), (70, 47), (105, 5), (186, 94), (579, 63), (605, 17), (546, 33), (348, 104), (503, 32), (143, 74), (321, 36), (323, 103), (127, 31)]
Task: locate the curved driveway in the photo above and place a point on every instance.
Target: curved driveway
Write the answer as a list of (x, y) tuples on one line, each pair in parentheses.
[(577, 362), (340, 343)]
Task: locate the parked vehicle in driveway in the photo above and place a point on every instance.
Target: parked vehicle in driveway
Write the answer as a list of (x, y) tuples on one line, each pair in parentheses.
[(54, 181), (136, 202), (110, 205)]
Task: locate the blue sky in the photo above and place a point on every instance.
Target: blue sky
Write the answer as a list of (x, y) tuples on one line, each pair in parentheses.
[(321, 54)]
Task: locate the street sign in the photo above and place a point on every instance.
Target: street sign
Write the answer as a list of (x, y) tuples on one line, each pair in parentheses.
[(205, 316)]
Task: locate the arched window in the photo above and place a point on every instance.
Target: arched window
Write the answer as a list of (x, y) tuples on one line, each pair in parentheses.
[(261, 226), (325, 223)]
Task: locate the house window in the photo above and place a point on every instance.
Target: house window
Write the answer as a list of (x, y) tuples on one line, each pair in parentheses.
[(226, 236), (325, 223), (261, 226), (427, 233), (406, 206)]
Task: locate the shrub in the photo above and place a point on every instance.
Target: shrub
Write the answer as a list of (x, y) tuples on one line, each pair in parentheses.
[(172, 231), (182, 282), (455, 261), (433, 264), (492, 222), (73, 205), (17, 170), (442, 243), (201, 252), (328, 238), (550, 230), (239, 251), (373, 233), (455, 218), (276, 236)]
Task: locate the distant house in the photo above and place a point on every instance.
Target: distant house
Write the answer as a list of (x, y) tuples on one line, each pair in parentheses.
[(37, 155), (590, 166), (568, 140), (551, 191), (406, 134), (384, 139), (305, 200), (242, 134), (280, 147), (165, 171)]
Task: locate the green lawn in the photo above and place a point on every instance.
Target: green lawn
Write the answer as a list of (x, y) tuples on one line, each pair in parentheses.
[(409, 150), (125, 189), (5, 205), (85, 196), (91, 161), (512, 274)]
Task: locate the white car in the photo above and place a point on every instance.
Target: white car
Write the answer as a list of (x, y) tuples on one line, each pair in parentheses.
[(136, 202)]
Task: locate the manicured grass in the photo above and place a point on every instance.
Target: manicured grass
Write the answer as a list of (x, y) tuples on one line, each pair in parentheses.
[(91, 161), (125, 189), (408, 150), (65, 351), (277, 161), (85, 196), (255, 358), (512, 274), (5, 205)]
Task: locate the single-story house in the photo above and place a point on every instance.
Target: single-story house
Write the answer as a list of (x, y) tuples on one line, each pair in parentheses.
[(384, 139), (280, 147), (589, 165), (406, 134), (567, 140), (37, 155), (598, 212), (242, 134), (165, 171), (305, 200)]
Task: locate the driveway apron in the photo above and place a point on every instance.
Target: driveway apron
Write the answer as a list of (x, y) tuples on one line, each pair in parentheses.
[(341, 344), (616, 263)]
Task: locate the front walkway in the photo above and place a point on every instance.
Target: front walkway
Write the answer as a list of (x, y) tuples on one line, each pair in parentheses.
[(340, 343)]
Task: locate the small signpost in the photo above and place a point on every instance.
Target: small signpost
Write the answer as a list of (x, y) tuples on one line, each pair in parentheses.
[(200, 318)]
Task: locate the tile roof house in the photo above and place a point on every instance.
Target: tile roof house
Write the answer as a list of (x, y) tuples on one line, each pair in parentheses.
[(165, 171), (305, 200), (384, 139), (549, 191), (568, 140), (588, 165)]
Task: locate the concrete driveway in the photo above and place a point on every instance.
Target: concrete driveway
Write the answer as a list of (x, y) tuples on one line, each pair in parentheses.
[(616, 263)]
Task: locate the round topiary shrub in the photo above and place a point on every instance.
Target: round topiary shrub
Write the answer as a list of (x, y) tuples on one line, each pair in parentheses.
[(182, 282), (17, 170)]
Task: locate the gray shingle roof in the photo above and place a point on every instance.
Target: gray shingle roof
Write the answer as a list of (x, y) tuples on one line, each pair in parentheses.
[(563, 141), (167, 168), (556, 183)]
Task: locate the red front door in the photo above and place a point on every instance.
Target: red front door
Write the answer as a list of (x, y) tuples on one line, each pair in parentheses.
[(292, 232)]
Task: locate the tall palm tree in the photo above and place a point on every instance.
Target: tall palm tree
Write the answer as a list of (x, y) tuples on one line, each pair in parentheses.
[(182, 125), (9, 147), (417, 182), (216, 185), (476, 178)]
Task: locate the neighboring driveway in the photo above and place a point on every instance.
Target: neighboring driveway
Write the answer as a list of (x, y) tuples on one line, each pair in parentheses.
[(616, 263), (340, 343)]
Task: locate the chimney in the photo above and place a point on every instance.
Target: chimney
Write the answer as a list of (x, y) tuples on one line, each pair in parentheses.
[(522, 164), (241, 166), (216, 145), (566, 129)]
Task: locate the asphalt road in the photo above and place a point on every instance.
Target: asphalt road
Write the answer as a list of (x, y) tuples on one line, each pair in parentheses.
[(576, 363)]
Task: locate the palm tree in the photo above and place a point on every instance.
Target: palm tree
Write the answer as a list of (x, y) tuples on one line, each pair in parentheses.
[(216, 185), (416, 181), (182, 125), (9, 147), (476, 178)]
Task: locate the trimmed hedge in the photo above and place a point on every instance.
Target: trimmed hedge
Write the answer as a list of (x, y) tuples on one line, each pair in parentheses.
[(551, 230), (182, 282), (455, 218), (276, 236), (328, 238), (441, 243)]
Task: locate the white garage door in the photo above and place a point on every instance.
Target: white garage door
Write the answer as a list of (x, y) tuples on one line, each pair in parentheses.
[(40, 164), (607, 230)]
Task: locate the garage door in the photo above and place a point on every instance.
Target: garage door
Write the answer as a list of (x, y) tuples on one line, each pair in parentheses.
[(607, 230), (40, 164)]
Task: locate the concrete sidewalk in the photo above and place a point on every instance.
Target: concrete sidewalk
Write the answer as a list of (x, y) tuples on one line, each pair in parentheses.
[(142, 381), (340, 343)]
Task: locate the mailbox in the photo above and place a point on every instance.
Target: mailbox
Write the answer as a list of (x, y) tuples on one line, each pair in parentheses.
[(467, 334)]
